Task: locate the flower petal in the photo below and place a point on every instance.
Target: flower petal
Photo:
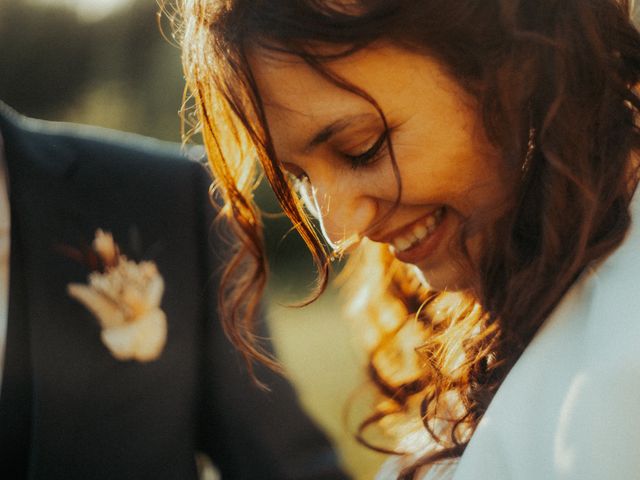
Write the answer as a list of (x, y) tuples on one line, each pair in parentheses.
[(151, 335), (155, 290), (107, 312), (142, 340)]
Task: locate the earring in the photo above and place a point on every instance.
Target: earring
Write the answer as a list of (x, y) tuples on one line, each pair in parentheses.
[(531, 148)]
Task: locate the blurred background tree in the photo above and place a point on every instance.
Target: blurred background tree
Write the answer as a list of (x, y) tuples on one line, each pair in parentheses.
[(112, 69), (105, 63)]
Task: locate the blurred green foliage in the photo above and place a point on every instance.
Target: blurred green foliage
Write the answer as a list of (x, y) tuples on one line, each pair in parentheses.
[(117, 72)]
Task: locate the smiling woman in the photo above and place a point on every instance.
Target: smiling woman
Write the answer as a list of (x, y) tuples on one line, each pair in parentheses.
[(480, 158), (449, 172)]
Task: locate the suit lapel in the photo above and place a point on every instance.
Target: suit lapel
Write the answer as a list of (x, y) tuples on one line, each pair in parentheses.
[(16, 395), (60, 335)]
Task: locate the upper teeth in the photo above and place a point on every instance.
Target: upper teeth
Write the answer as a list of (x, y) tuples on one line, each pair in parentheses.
[(418, 232)]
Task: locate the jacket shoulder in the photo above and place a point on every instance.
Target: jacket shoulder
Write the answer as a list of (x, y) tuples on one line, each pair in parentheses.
[(58, 143)]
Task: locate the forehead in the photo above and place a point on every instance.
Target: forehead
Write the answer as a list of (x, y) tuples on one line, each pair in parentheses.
[(286, 81), (295, 94), (288, 85), (298, 99)]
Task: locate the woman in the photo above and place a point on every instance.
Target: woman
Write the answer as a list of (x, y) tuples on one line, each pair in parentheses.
[(480, 157)]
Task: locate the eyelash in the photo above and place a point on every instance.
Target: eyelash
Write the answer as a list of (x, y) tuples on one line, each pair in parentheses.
[(371, 155), (357, 161)]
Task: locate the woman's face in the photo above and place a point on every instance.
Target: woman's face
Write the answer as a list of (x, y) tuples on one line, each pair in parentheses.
[(450, 174)]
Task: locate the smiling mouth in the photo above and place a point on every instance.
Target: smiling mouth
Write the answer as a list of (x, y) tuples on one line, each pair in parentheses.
[(417, 233)]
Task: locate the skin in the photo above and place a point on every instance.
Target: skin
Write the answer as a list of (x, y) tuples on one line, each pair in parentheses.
[(441, 151)]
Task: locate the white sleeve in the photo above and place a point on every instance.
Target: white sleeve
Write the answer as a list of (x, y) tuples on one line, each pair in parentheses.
[(598, 433)]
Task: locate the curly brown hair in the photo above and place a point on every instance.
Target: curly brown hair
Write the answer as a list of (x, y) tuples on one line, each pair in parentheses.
[(565, 70)]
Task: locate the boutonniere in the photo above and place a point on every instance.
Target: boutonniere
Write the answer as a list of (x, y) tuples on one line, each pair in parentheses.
[(125, 298)]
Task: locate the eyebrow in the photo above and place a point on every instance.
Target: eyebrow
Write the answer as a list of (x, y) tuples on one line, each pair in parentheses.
[(330, 130)]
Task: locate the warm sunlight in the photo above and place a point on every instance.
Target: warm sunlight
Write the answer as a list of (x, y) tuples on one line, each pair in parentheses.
[(90, 10)]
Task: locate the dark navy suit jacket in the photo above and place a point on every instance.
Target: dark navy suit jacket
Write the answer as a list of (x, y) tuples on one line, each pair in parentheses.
[(92, 416)]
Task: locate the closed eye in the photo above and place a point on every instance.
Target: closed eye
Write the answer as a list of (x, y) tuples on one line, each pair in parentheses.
[(370, 155)]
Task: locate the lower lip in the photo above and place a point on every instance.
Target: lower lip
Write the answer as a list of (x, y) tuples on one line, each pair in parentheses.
[(426, 246)]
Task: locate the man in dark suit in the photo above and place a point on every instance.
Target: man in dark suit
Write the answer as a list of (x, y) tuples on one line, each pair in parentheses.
[(68, 408)]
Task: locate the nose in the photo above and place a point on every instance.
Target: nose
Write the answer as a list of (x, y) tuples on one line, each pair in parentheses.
[(344, 203)]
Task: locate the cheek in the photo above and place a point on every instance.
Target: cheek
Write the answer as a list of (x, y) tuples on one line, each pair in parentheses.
[(458, 178), (444, 147)]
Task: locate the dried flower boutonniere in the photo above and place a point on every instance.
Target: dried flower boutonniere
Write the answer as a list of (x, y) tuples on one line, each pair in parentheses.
[(125, 297)]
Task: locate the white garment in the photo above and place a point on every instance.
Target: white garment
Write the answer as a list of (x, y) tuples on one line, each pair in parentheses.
[(570, 407), (5, 238)]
